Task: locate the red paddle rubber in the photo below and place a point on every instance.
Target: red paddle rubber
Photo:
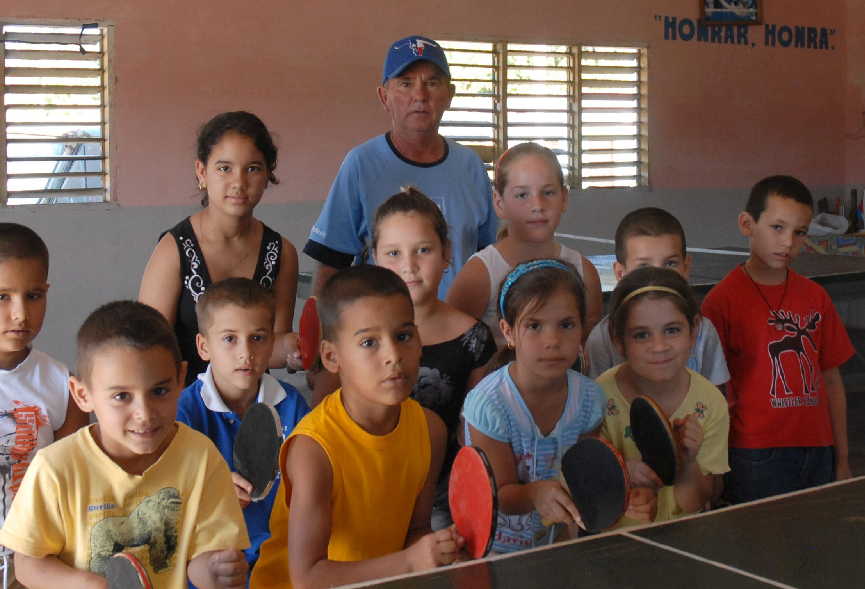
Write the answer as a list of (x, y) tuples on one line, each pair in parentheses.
[(472, 499), (309, 333)]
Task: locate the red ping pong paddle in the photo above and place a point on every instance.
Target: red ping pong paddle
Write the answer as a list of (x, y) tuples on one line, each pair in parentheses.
[(256, 448), (473, 501), (597, 480), (654, 437), (124, 571), (309, 333)]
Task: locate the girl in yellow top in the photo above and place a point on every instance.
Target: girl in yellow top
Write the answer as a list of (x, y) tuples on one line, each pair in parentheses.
[(359, 471), (653, 319)]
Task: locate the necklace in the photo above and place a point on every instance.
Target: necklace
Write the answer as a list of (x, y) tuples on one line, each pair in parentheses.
[(772, 310)]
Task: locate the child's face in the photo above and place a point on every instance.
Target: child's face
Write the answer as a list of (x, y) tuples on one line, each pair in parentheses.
[(547, 339), (659, 251), (134, 395), (22, 307), (408, 245), (238, 344), (376, 349), (777, 237), (657, 339), (235, 175), (533, 200)]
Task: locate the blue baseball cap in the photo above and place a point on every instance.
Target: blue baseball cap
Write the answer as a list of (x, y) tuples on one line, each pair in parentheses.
[(406, 51)]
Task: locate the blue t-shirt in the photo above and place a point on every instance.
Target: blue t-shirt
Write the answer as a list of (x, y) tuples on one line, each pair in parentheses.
[(374, 171), (496, 408), (201, 408)]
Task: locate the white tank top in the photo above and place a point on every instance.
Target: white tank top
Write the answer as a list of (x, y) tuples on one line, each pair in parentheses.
[(497, 268)]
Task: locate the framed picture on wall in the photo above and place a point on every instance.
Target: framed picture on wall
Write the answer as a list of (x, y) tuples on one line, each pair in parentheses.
[(725, 12)]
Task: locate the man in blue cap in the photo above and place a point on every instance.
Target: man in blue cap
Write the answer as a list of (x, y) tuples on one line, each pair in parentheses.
[(415, 91)]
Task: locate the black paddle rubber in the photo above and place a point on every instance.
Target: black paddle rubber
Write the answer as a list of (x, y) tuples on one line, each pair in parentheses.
[(598, 482), (256, 448), (124, 571), (654, 438)]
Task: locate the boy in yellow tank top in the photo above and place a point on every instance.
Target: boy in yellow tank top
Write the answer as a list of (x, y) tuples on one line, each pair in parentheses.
[(359, 471)]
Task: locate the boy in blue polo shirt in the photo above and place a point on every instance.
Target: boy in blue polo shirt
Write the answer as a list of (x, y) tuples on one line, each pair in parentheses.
[(235, 319)]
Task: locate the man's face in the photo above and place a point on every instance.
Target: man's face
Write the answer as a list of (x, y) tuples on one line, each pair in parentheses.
[(417, 98)]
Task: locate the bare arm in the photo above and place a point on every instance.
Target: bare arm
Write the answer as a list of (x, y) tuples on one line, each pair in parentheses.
[(548, 497), (50, 572), (470, 291), (692, 488), (285, 292), (160, 284), (322, 273), (594, 297), (75, 420), (420, 517), (837, 398)]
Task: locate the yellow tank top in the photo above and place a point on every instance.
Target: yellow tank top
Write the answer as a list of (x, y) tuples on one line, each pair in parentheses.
[(376, 481)]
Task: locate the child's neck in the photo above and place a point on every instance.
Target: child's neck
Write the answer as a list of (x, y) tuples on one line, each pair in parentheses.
[(516, 252), (238, 401), (374, 418), (216, 226), (427, 313), (10, 360), (669, 394), (763, 274)]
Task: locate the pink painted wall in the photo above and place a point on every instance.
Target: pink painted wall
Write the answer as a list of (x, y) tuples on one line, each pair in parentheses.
[(854, 123), (721, 116)]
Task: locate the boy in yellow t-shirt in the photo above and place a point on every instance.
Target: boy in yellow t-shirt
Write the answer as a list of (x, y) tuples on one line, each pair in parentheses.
[(359, 471), (136, 481)]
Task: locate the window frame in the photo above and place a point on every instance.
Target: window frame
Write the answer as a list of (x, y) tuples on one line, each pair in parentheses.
[(573, 173), (108, 158)]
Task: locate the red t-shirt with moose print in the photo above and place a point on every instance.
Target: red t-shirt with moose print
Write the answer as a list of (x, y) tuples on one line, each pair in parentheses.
[(777, 346)]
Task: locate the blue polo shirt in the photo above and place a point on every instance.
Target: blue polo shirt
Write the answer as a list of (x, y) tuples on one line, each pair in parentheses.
[(202, 408)]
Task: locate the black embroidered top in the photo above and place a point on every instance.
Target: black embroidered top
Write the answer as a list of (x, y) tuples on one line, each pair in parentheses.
[(195, 279)]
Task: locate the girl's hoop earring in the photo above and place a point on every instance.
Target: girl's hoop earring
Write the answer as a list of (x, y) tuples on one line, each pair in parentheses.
[(201, 185)]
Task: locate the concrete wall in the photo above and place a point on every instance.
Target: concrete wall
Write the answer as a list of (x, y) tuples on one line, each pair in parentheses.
[(721, 115)]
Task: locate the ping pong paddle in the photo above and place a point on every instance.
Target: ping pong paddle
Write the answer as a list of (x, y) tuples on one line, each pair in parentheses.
[(653, 436), (597, 480), (309, 333), (124, 571), (472, 499), (256, 448)]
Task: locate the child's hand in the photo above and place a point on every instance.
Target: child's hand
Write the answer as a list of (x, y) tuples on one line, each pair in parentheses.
[(642, 475), (293, 360), (242, 488), (642, 504), (689, 436), (554, 504), (228, 569), (435, 549)]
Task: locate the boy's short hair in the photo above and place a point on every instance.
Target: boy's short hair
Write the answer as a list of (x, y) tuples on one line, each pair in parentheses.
[(124, 323), (241, 292), (783, 186), (646, 222), (20, 242), (351, 284)]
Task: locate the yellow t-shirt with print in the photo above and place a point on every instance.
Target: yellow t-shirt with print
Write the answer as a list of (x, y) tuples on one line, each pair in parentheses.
[(703, 399), (76, 503)]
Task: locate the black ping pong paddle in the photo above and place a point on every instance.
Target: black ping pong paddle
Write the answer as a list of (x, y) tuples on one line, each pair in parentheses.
[(473, 500), (124, 571), (256, 448), (654, 437), (597, 480)]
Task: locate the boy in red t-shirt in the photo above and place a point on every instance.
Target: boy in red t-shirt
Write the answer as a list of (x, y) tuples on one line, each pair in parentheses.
[(784, 343)]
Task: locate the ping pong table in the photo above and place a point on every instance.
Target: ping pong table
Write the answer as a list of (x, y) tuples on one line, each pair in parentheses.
[(811, 538)]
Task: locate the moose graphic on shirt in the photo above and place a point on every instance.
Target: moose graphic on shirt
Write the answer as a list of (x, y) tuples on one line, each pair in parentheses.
[(796, 332)]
